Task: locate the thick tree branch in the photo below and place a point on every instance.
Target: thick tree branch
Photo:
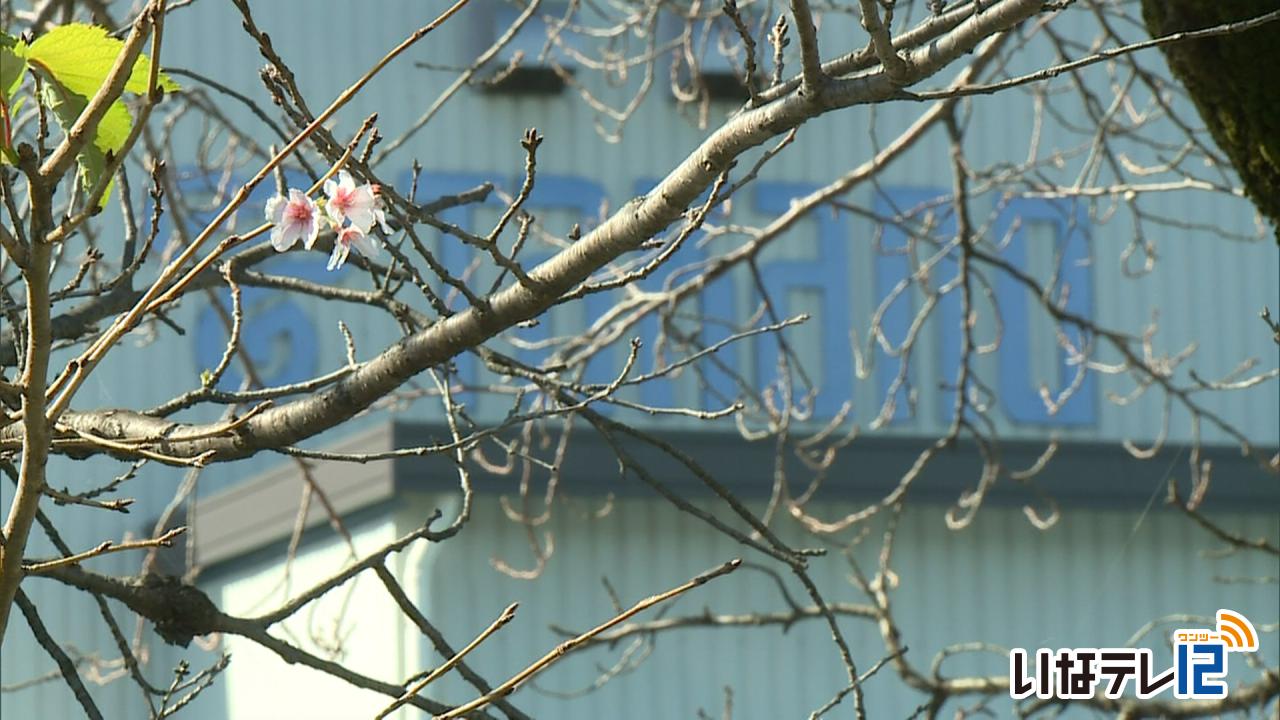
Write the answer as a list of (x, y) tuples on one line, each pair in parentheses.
[(882, 43), (180, 612), (627, 230), (810, 58), (35, 428)]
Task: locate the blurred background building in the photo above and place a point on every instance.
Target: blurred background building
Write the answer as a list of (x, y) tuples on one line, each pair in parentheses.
[(1116, 560)]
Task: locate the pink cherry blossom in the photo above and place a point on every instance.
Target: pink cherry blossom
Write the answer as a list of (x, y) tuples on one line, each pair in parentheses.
[(361, 204), (348, 237), (295, 218)]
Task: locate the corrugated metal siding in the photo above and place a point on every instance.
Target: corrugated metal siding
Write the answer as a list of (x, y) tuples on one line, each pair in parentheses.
[(1206, 290), (72, 617), (1093, 580), (1090, 581)]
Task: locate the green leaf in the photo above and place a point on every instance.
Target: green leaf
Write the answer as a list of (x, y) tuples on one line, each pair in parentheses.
[(11, 69), (113, 130), (74, 60), (81, 56)]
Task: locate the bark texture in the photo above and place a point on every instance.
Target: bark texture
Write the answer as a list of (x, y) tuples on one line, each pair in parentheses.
[(1232, 79)]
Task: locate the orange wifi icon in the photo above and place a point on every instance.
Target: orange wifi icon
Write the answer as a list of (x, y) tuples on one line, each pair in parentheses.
[(1236, 631)]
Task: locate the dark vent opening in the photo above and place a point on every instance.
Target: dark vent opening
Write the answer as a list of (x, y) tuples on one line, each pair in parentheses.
[(525, 81)]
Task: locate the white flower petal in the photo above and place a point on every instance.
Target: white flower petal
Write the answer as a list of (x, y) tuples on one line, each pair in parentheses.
[(366, 244), (338, 257), (283, 237), (361, 218), (331, 209), (309, 232), (275, 208)]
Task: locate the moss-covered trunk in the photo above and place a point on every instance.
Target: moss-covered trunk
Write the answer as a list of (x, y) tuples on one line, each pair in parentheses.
[(1235, 83)]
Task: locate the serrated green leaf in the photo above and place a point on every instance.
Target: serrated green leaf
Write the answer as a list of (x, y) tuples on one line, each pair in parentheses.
[(113, 130), (80, 56)]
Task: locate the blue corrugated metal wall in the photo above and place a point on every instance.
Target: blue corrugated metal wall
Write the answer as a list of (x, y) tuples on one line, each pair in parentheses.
[(1206, 291), (1091, 581)]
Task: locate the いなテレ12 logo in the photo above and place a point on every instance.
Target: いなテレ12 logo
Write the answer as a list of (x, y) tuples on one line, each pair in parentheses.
[(1198, 672), (1200, 656)]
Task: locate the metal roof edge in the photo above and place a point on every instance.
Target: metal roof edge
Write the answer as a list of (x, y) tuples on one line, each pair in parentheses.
[(1098, 475)]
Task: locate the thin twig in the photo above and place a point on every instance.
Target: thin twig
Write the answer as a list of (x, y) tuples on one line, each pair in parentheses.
[(106, 548), (569, 646), (506, 617)]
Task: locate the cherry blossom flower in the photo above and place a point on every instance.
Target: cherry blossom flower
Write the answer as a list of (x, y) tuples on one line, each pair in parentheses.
[(296, 218), (348, 237), (361, 204)]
